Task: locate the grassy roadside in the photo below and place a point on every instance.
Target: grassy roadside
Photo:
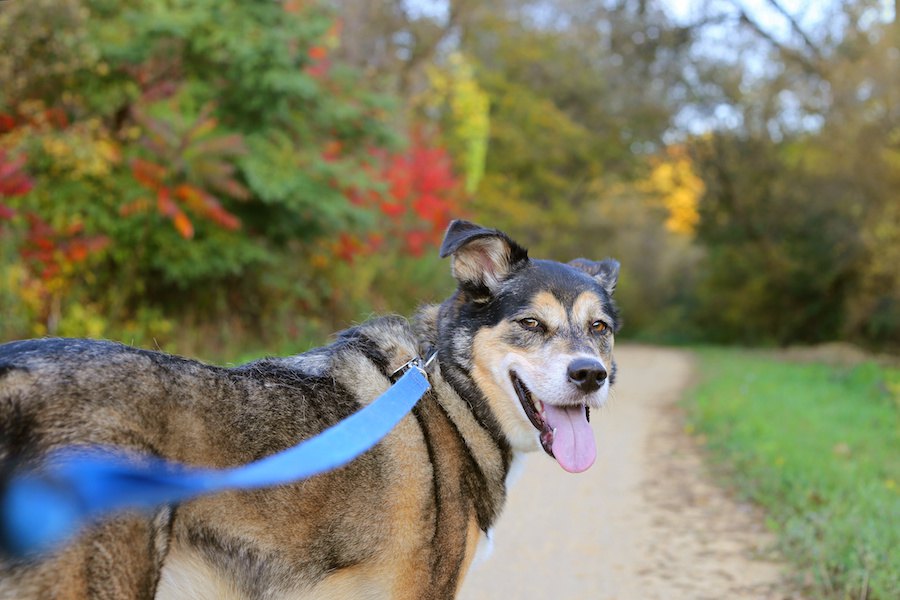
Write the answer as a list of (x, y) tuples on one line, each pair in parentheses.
[(818, 447)]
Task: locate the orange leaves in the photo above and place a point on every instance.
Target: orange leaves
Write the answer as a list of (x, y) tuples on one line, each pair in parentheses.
[(167, 208), (170, 200), (148, 174), (318, 53), (206, 205), (183, 225)]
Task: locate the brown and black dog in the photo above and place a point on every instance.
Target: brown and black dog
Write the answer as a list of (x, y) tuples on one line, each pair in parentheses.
[(524, 349)]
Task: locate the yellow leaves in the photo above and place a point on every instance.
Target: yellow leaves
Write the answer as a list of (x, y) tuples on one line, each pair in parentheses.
[(673, 180), (82, 150), (468, 108)]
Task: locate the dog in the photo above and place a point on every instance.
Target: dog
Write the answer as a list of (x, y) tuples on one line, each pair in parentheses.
[(524, 351)]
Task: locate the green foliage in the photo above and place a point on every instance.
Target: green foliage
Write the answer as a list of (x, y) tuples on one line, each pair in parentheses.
[(782, 245), (819, 447)]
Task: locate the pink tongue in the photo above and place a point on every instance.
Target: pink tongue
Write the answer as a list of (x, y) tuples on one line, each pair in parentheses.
[(573, 440)]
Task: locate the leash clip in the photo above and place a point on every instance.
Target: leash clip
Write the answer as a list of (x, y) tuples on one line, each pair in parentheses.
[(416, 363)]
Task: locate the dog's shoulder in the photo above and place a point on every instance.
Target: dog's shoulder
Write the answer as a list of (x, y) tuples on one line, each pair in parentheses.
[(382, 344)]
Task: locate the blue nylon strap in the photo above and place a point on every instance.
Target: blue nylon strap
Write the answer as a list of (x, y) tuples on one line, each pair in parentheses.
[(40, 511)]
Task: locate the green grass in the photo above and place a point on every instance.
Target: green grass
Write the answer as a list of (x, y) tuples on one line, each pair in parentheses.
[(819, 448)]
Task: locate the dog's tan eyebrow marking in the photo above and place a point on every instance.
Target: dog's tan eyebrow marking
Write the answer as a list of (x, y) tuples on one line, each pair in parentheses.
[(549, 310), (587, 308)]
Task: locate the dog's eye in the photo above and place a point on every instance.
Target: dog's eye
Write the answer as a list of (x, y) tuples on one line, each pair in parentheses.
[(599, 326), (532, 324)]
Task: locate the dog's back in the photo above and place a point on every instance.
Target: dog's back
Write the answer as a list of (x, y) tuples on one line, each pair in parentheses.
[(386, 525)]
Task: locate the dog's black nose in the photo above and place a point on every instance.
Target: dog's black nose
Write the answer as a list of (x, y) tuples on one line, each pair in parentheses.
[(586, 373)]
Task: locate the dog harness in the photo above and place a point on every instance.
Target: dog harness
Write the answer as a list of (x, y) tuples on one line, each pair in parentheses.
[(40, 510)]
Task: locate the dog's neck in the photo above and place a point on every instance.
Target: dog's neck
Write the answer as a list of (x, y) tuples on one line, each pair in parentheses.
[(425, 327), (491, 457)]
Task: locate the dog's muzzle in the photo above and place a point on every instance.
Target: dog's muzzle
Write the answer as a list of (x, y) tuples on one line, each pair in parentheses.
[(564, 431)]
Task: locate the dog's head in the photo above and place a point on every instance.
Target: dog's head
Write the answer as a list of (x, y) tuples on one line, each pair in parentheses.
[(534, 336)]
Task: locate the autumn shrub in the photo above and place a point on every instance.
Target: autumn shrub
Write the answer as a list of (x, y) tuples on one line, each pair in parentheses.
[(200, 162)]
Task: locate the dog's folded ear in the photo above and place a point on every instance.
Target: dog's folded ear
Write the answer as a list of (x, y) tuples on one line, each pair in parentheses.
[(606, 272), (482, 257)]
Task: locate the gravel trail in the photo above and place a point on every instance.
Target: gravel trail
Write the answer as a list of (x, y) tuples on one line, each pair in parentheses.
[(645, 522)]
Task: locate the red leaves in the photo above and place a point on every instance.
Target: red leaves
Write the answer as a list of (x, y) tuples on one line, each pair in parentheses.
[(422, 197), (423, 185), (395, 210), (13, 179), (416, 242), (7, 123), (56, 117), (423, 180), (47, 251), (348, 246)]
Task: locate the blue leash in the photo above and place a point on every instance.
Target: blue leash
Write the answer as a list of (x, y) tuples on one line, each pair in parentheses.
[(38, 511)]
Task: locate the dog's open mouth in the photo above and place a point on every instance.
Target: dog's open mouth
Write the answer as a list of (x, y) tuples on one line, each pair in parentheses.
[(565, 433)]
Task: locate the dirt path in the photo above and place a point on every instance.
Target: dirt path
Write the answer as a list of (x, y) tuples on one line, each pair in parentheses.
[(645, 522)]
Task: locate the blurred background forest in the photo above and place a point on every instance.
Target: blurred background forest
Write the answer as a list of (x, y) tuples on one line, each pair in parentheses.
[(219, 177)]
